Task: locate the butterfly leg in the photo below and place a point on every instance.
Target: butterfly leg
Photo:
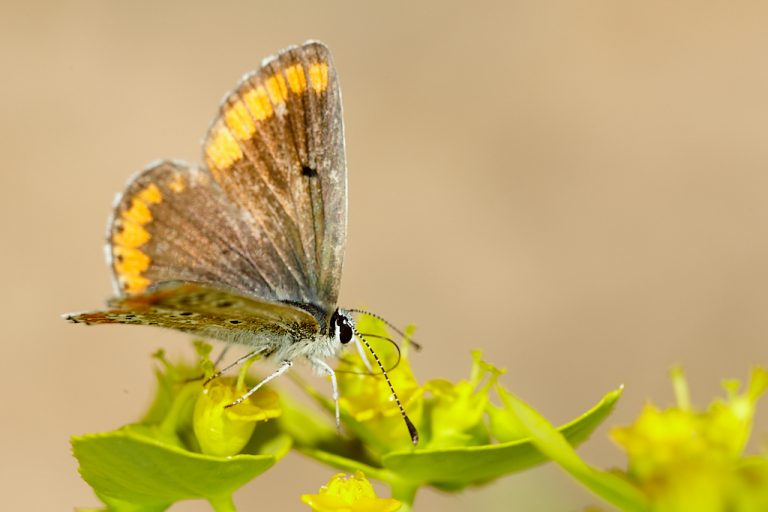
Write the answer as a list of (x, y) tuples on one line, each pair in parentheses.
[(280, 370), (237, 362), (319, 363), (222, 355), (363, 355)]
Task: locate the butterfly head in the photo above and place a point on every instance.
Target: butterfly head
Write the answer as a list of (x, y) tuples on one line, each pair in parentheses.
[(342, 329), (342, 326)]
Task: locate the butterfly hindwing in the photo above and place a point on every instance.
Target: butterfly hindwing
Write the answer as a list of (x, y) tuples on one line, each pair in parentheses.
[(173, 222), (277, 151), (206, 311)]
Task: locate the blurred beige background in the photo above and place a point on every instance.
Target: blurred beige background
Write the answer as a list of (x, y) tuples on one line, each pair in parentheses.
[(579, 188)]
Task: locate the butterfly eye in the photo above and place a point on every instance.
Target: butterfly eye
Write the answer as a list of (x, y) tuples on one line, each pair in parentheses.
[(345, 331)]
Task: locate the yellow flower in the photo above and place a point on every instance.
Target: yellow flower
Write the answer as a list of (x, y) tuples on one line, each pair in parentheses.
[(685, 459), (349, 494), (457, 410)]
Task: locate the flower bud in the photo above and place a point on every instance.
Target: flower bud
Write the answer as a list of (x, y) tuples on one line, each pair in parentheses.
[(225, 431)]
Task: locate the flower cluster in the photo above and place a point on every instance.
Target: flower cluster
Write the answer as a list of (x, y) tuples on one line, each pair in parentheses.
[(679, 458), (349, 494), (465, 438), (688, 459)]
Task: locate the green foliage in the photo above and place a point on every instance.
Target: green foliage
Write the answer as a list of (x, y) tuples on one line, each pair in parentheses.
[(154, 463), (553, 445), (465, 438), (129, 466), (453, 468), (679, 459), (190, 445)]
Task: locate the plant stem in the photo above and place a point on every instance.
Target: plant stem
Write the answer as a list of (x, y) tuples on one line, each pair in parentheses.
[(404, 492), (223, 503), (171, 420)]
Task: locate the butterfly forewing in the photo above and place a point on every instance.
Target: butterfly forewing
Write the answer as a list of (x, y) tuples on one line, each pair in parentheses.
[(262, 222), (206, 311), (277, 151)]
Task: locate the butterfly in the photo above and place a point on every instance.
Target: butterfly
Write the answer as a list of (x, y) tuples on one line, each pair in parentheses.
[(247, 248)]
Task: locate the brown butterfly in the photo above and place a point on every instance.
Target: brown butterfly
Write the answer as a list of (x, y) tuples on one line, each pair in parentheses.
[(247, 248)]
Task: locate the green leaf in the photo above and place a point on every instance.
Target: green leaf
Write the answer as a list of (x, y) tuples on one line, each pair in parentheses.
[(555, 445), (128, 466), (306, 427), (456, 468), (114, 505), (347, 464)]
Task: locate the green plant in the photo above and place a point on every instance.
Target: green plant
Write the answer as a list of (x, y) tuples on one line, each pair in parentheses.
[(188, 445)]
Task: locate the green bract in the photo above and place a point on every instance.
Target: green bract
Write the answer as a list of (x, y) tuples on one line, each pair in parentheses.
[(126, 466), (152, 464)]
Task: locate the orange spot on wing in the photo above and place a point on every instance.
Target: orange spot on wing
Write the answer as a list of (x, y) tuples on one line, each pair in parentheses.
[(139, 210), (278, 92), (296, 79), (151, 194), (222, 149), (138, 213), (129, 264), (318, 76), (239, 121), (135, 284), (177, 184), (130, 261), (258, 103), (130, 235)]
